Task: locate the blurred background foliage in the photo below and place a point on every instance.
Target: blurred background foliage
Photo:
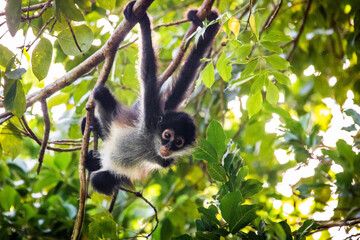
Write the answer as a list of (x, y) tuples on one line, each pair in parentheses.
[(277, 110)]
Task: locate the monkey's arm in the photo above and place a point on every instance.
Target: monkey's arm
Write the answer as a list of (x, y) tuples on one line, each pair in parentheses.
[(150, 97), (189, 70)]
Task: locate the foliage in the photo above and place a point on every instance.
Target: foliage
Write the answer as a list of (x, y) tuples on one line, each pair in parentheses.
[(278, 97)]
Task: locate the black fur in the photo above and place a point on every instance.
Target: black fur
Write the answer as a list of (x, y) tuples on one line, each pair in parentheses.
[(158, 115), (106, 182), (92, 161), (94, 127)]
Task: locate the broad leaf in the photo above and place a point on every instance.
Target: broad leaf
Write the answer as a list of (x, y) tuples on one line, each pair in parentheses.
[(224, 67), (282, 78), (69, 9), (13, 15), (277, 62), (5, 55), (217, 172), (229, 204), (41, 58), (234, 26), (254, 103), (244, 215), (215, 135), (207, 75), (250, 67), (272, 93), (84, 37), (204, 151)]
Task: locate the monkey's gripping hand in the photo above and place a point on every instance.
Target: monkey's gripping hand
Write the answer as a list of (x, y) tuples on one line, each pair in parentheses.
[(129, 14), (191, 15)]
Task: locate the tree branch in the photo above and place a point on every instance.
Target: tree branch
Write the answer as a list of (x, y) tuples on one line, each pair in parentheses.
[(44, 143), (139, 195), (301, 29), (271, 17), (203, 11), (32, 8), (45, 6)]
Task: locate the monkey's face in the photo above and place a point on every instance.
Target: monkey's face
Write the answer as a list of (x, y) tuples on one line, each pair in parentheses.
[(177, 132)]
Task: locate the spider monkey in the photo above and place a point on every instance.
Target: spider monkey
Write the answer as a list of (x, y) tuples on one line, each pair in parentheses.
[(149, 135)]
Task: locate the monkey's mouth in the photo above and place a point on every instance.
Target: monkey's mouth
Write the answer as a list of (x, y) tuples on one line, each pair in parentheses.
[(165, 152)]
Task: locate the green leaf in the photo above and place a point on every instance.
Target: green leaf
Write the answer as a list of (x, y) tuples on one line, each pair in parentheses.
[(107, 4), (183, 237), (58, 99), (204, 151), (207, 75), (69, 9), (224, 67), (250, 187), (5, 55), (243, 51), (272, 93), (103, 226), (84, 37), (14, 94), (229, 204), (217, 172), (271, 47), (84, 4), (282, 78), (13, 16), (254, 103), (277, 62), (41, 58), (215, 135), (346, 152), (15, 74), (9, 198), (250, 67), (11, 140), (355, 116), (306, 228), (258, 84), (275, 36), (244, 215)]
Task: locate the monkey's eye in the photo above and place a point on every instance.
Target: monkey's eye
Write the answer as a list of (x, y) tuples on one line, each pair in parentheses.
[(166, 134), (179, 142)]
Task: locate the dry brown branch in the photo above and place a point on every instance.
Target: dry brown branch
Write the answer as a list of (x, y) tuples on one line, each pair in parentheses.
[(32, 135), (203, 11), (31, 8), (271, 17), (301, 29), (39, 34), (45, 140), (43, 9), (113, 200)]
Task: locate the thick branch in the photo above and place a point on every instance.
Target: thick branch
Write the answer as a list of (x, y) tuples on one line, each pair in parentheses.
[(203, 11), (111, 45), (301, 29)]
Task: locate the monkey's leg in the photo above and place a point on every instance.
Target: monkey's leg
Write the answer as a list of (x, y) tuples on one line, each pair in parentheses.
[(106, 182)]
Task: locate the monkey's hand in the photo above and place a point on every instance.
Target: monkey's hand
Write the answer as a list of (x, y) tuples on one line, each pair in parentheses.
[(191, 15)]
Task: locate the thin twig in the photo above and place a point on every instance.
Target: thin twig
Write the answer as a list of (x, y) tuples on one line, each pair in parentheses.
[(139, 195), (39, 34), (32, 135), (271, 17), (301, 29), (202, 13), (73, 34), (31, 8), (46, 6), (45, 111), (113, 200)]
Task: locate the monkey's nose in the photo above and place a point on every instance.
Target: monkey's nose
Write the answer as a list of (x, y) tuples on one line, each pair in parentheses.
[(164, 151)]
